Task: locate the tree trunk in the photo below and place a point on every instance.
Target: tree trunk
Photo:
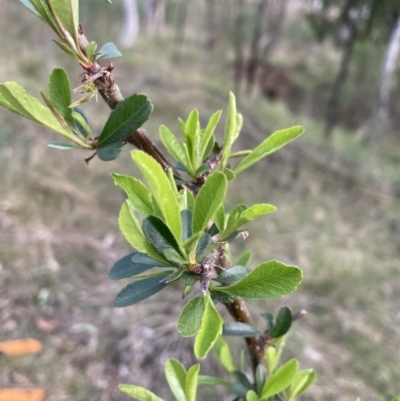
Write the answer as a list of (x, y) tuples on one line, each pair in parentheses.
[(388, 68), (130, 27)]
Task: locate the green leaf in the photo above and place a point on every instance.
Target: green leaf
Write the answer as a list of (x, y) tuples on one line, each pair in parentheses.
[(281, 379), (67, 11), (174, 276), (91, 50), (213, 381), (161, 188), (62, 146), (191, 134), (176, 378), (190, 319), (139, 393), (30, 7), (132, 231), (208, 133), (109, 50), (251, 396), (60, 94), (172, 145), (232, 275), (186, 217), (270, 145), (139, 290), (191, 382), (14, 97), (80, 122), (189, 278), (241, 216), (301, 382), (238, 329), (230, 130), (221, 348), (129, 115), (269, 280), (202, 246), (209, 199), (127, 267), (41, 10), (186, 200), (244, 259), (66, 49), (261, 377), (138, 194), (109, 152), (282, 323), (211, 328), (271, 358), (219, 218)]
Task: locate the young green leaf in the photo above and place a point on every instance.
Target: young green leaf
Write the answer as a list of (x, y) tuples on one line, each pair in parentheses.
[(191, 382), (190, 319), (139, 290), (221, 348), (161, 188), (269, 280), (252, 396), (60, 94), (172, 145), (127, 267), (282, 323), (109, 50), (213, 381), (40, 9), (270, 145), (67, 11), (232, 275), (238, 329), (138, 194), (138, 392), (301, 382), (132, 231), (129, 115), (175, 374), (244, 259), (208, 133), (208, 201), (211, 328), (230, 130), (280, 380), (175, 275), (191, 134), (62, 146), (91, 50), (67, 50), (271, 357), (186, 200)]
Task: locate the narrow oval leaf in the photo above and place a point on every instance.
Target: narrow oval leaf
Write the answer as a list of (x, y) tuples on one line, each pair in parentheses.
[(230, 129), (281, 379), (191, 382), (129, 115), (223, 353), (282, 323), (67, 11), (251, 396), (269, 280), (126, 267), (20, 347), (244, 259), (239, 329), (139, 290), (62, 146), (211, 328), (60, 94), (186, 217), (139, 393), (213, 381), (261, 377), (14, 394), (270, 145), (301, 382), (190, 319), (176, 378), (163, 193), (138, 194), (172, 145), (208, 133), (174, 276), (232, 275), (209, 199)]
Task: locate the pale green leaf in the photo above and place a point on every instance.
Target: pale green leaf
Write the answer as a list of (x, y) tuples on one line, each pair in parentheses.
[(191, 382), (271, 358), (190, 319), (270, 145), (67, 50), (221, 348), (192, 128), (211, 329), (172, 145), (109, 50), (161, 188), (213, 381), (301, 382), (230, 129), (251, 396), (62, 146), (208, 132), (138, 194), (176, 378), (280, 379), (269, 280), (208, 200), (138, 392)]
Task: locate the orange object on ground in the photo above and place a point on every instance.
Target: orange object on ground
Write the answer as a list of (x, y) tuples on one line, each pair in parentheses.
[(20, 347), (15, 394)]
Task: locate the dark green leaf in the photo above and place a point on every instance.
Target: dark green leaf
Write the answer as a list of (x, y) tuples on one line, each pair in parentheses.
[(60, 94), (202, 246), (189, 278), (202, 169), (109, 50), (222, 297), (232, 275), (239, 329), (174, 276), (274, 142), (269, 280), (190, 319), (109, 152), (243, 380), (208, 201), (261, 377), (139, 290), (270, 320), (282, 323), (129, 115), (186, 217), (213, 230), (128, 267)]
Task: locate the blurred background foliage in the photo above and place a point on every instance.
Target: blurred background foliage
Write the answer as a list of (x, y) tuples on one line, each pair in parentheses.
[(330, 65)]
